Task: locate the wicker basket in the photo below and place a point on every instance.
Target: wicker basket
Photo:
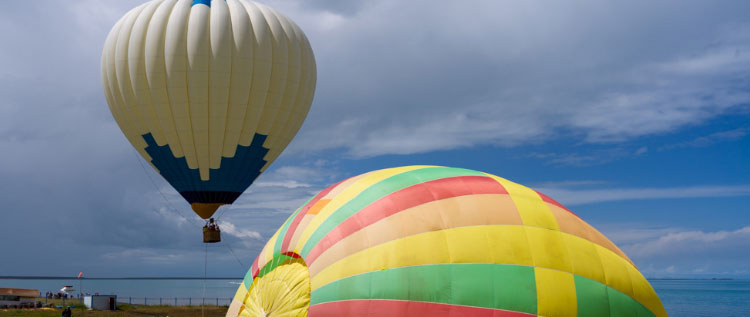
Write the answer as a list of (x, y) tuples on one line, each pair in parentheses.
[(211, 236)]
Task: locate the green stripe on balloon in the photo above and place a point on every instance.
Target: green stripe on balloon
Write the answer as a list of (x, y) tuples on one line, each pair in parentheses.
[(592, 297), (378, 191), (499, 286), (597, 299), (621, 304), (248, 280), (277, 260)]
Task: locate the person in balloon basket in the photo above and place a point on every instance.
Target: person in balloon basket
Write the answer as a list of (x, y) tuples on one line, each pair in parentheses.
[(211, 226)]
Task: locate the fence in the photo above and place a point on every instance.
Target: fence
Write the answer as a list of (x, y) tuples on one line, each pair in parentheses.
[(149, 301), (175, 301)]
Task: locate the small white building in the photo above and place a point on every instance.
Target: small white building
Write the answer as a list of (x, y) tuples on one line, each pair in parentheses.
[(18, 296), (100, 302)]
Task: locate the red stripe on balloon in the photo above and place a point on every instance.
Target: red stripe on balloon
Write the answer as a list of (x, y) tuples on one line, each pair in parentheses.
[(404, 199), (254, 267), (301, 214), (554, 202), (292, 254), (397, 308)]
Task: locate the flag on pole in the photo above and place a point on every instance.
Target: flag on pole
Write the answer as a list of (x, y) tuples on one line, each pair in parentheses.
[(80, 274)]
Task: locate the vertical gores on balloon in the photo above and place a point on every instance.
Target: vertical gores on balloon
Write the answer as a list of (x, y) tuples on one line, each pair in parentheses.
[(439, 241), (208, 92)]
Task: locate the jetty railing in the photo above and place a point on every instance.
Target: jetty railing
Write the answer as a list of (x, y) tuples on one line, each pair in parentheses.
[(144, 300), (175, 301)]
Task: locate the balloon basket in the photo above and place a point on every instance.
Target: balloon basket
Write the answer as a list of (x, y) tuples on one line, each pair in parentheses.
[(211, 236)]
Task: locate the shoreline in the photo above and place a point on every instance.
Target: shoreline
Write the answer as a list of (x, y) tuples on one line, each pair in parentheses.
[(114, 278)]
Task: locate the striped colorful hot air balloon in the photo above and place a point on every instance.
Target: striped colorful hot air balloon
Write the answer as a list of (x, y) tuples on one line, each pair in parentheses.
[(438, 241), (208, 91)]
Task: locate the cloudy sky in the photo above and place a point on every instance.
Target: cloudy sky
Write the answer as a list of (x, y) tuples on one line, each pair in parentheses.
[(634, 114)]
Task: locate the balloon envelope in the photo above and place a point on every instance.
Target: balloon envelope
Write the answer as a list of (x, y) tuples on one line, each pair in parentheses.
[(438, 241), (208, 92)]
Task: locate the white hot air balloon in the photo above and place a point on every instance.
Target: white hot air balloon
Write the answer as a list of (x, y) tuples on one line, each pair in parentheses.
[(208, 92)]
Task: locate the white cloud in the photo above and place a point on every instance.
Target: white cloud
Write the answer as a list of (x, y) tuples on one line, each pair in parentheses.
[(571, 183), (692, 242), (693, 252), (713, 138), (630, 233), (283, 189), (589, 196), (239, 233), (675, 251)]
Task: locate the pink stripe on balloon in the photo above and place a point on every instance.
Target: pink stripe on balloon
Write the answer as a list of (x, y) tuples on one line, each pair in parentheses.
[(398, 308)]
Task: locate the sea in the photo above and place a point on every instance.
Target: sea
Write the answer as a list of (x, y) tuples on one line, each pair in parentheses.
[(151, 291), (680, 297)]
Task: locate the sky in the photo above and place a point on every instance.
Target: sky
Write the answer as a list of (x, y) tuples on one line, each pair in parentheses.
[(635, 115)]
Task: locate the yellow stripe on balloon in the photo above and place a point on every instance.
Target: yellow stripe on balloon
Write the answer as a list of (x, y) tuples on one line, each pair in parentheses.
[(137, 68), (548, 248), (477, 244), (198, 49), (262, 68), (156, 75), (293, 79), (347, 195), (219, 79), (644, 293), (279, 72), (584, 258), (241, 75), (624, 277), (616, 275), (176, 64), (488, 244), (533, 209), (555, 293)]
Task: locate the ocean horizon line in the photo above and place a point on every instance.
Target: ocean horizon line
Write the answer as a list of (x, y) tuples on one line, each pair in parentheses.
[(34, 277), (115, 278)]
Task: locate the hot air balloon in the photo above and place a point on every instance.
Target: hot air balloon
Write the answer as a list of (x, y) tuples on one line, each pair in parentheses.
[(209, 92), (439, 241)]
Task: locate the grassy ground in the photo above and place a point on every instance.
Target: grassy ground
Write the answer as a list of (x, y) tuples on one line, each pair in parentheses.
[(123, 310)]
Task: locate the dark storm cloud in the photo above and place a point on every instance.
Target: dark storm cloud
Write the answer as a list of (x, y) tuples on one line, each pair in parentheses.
[(408, 77), (394, 77), (343, 7), (72, 188)]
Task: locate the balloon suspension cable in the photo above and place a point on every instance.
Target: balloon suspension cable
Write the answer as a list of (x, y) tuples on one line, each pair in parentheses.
[(235, 256), (168, 203), (205, 275), (223, 210)]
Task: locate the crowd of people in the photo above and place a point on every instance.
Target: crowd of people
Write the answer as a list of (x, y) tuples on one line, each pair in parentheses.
[(58, 295)]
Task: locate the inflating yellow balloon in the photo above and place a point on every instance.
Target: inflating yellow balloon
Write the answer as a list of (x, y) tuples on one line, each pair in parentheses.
[(438, 241), (208, 92)]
